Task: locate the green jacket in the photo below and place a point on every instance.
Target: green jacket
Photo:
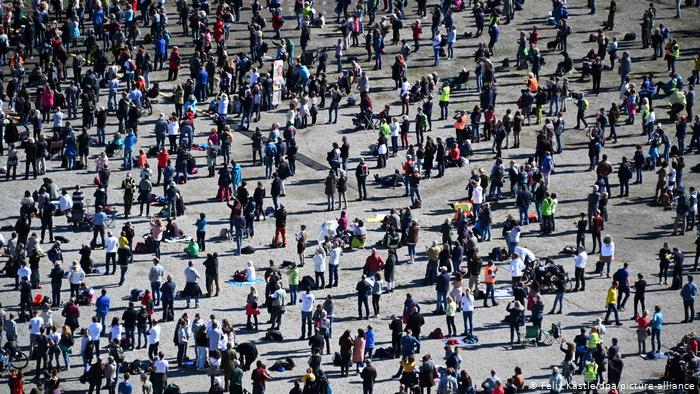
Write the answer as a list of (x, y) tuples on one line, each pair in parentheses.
[(547, 207)]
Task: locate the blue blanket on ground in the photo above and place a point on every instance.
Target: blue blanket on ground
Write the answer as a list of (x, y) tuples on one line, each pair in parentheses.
[(234, 283)]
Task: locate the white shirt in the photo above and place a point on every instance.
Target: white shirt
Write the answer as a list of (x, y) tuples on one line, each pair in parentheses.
[(35, 325), (24, 272), (320, 262), (607, 250), (580, 259), (249, 274), (154, 335), (334, 256), (115, 332), (94, 330), (524, 252), (516, 267), (65, 203), (467, 303), (75, 277), (395, 129), (161, 366), (478, 195), (173, 128), (307, 302), (111, 244)]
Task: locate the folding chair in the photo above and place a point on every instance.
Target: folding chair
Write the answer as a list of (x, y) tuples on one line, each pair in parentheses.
[(531, 334)]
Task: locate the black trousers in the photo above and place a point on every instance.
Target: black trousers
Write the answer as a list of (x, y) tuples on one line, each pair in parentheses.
[(111, 256), (580, 277), (689, 309), (362, 301)]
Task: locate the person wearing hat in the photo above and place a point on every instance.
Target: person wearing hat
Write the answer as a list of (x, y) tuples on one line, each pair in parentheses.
[(515, 318)]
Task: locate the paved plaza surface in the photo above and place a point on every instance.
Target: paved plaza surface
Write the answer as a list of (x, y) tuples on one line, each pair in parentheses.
[(638, 226)]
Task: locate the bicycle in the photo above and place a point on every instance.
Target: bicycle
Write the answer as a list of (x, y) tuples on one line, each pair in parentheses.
[(147, 106), (17, 360)]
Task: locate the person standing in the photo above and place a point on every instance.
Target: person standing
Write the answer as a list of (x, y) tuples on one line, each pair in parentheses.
[(490, 272), (102, 305), (155, 276), (259, 377), (361, 173), (611, 303), (191, 286), (307, 304), (201, 224), (369, 376), (211, 274), (689, 292), (167, 291), (111, 246), (56, 276), (657, 322), (640, 287)]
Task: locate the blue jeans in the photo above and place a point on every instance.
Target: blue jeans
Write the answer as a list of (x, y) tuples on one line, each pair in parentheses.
[(415, 196), (306, 322), (558, 298), (122, 273), (436, 53), (612, 308), (102, 318), (468, 322), (155, 291), (332, 275), (293, 294), (523, 216), (101, 135), (554, 103), (245, 118), (268, 168), (655, 336), (239, 241), (441, 301), (128, 161)]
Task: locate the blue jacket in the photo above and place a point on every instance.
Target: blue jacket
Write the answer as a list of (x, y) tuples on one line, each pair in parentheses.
[(369, 339), (202, 77), (129, 141), (102, 305), (408, 345), (160, 46), (689, 291)]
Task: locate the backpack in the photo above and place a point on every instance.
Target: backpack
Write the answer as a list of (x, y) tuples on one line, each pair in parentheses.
[(118, 354), (436, 334), (307, 281), (586, 104), (337, 360), (141, 248), (135, 295), (273, 335)]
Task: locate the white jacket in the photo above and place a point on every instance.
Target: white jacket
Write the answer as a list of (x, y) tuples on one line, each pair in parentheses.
[(320, 262), (75, 277)]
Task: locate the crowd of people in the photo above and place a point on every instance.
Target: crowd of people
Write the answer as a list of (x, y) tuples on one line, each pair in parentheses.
[(114, 48)]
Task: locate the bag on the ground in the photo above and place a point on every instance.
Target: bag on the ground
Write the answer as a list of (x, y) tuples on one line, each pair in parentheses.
[(436, 334), (273, 335)]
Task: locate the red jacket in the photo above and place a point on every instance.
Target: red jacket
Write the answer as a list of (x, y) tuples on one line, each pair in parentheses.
[(374, 263), (219, 30), (417, 31), (174, 60)]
